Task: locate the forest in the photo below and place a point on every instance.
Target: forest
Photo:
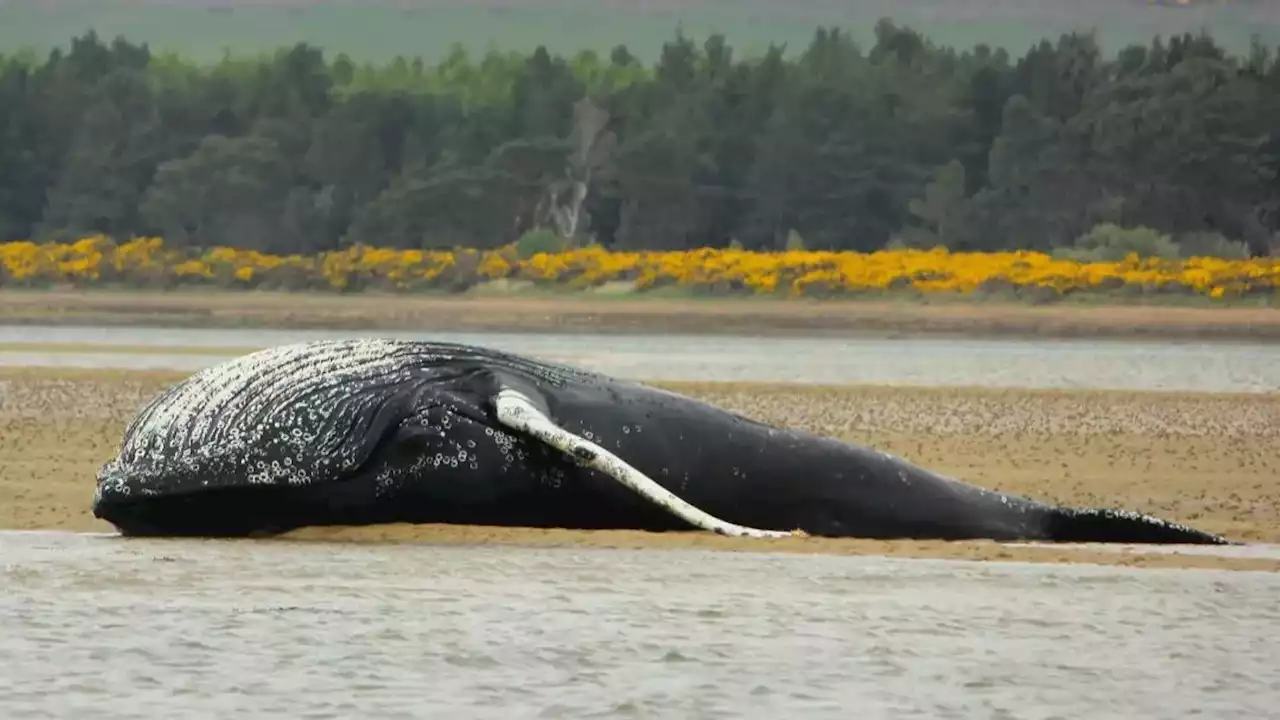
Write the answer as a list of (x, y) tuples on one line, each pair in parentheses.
[(900, 143)]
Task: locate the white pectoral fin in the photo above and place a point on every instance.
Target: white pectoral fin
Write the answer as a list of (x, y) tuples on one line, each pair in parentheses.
[(516, 411)]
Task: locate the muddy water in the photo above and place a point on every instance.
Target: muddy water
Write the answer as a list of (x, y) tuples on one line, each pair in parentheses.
[(109, 628), (1212, 367)]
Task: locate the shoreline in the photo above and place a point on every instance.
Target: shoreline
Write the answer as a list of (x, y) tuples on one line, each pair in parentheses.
[(587, 313), (1200, 458), (1137, 557)]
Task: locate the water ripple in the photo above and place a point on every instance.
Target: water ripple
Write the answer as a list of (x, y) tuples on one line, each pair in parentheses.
[(117, 628)]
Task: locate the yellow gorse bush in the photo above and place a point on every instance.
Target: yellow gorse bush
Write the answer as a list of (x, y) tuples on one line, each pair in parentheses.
[(148, 262)]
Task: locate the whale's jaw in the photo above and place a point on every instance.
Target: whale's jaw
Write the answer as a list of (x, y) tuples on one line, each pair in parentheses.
[(241, 510), (224, 512)]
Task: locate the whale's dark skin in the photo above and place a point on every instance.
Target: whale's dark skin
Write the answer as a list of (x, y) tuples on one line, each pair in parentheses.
[(358, 432)]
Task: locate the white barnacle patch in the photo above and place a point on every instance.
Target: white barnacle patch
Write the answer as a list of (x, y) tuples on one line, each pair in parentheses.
[(290, 414), (304, 413), (516, 411)]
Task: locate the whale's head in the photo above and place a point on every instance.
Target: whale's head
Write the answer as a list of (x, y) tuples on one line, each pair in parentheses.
[(345, 469), (281, 437)]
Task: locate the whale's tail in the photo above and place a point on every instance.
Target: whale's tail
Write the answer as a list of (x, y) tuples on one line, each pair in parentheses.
[(1099, 525)]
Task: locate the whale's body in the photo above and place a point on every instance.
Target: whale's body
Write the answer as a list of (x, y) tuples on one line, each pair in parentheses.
[(356, 432)]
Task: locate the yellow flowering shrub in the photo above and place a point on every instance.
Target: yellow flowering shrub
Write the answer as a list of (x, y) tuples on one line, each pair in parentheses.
[(98, 261)]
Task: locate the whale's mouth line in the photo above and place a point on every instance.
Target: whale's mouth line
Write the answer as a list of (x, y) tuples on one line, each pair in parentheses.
[(133, 513)]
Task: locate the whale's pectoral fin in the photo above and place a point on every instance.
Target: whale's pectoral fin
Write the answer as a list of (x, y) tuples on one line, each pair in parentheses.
[(517, 411)]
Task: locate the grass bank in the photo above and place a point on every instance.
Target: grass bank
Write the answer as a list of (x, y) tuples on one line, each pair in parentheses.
[(1203, 459)]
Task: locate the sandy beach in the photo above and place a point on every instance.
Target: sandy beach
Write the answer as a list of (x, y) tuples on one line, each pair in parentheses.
[(602, 313), (1204, 459)]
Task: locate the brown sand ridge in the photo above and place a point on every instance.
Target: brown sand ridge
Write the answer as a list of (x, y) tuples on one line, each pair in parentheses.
[(586, 311), (1208, 460)]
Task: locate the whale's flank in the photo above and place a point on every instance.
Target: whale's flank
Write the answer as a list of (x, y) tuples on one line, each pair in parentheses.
[(516, 411)]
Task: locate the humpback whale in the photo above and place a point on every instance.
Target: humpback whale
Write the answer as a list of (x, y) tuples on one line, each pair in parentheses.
[(372, 430)]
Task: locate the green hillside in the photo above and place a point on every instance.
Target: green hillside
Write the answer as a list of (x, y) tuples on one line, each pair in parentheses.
[(379, 29)]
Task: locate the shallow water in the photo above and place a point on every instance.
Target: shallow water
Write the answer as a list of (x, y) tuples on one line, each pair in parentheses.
[(110, 628), (1209, 367), (124, 628)]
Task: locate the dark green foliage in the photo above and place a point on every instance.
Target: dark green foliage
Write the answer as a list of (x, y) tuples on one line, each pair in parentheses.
[(903, 141)]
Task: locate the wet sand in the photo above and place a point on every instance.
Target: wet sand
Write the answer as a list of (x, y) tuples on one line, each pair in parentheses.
[(590, 312), (1204, 459)]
